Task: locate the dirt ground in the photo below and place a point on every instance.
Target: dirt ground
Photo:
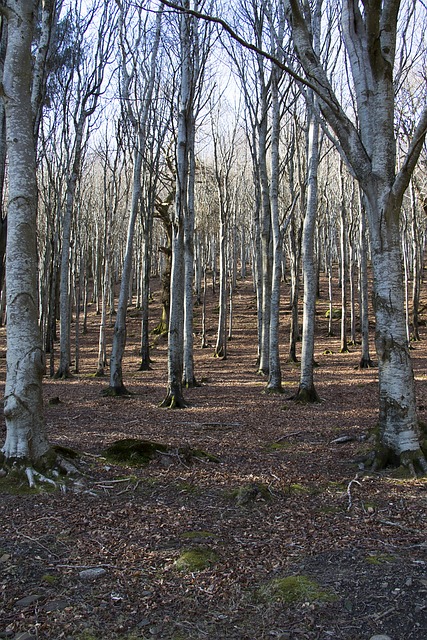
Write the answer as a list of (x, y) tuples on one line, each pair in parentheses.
[(286, 497)]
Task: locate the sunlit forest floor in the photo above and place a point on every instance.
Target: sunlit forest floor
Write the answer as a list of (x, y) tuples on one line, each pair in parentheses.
[(277, 533)]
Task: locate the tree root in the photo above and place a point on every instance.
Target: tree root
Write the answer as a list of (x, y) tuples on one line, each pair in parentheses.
[(274, 389), (51, 469), (306, 396), (32, 473), (63, 374), (116, 392), (145, 366), (366, 363), (408, 462), (191, 384), (173, 401)]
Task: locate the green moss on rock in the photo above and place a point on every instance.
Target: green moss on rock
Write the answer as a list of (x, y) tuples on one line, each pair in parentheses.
[(295, 589), (132, 451), (196, 559)]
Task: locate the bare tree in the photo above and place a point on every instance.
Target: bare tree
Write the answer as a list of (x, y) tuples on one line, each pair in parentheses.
[(137, 111), (82, 90), (26, 442)]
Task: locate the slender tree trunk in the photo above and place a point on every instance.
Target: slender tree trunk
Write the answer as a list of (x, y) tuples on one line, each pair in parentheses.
[(174, 396), (365, 360), (189, 379), (221, 340), (266, 241), (116, 386), (344, 261), (306, 391), (139, 124), (274, 371)]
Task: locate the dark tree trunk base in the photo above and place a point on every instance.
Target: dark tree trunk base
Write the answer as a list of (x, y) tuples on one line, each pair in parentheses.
[(274, 389), (173, 401), (190, 384), (144, 366), (116, 392), (100, 373), (409, 463), (63, 374), (366, 363), (306, 396)]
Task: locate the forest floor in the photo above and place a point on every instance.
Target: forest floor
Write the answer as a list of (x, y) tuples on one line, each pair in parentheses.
[(283, 536)]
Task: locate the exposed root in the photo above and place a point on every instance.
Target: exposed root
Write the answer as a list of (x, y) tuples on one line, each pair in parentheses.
[(173, 401), (51, 469), (366, 363), (63, 374), (32, 473), (144, 366), (306, 395), (409, 463), (274, 389), (190, 384)]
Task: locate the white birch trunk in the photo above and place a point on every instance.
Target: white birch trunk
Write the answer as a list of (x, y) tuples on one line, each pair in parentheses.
[(23, 403)]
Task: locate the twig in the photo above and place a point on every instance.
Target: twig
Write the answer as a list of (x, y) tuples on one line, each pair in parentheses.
[(288, 435), (49, 551), (401, 526), (354, 481), (114, 481)]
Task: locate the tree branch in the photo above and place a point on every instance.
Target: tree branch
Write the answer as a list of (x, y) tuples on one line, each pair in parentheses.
[(403, 177), (235, 36)]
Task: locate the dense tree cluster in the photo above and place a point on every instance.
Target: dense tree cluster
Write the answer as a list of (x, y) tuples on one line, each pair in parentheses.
[(195, 141)]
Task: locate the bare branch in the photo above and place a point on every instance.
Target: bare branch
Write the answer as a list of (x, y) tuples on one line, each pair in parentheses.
[(403, 177)]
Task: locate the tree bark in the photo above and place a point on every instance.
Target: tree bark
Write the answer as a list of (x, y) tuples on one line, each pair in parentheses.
[(23, 405)]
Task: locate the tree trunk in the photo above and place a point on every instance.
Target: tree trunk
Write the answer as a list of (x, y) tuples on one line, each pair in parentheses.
[(23, 404), (274, 384), (189, 379), (365, 359), (306, 391), (174, 396), (398, 424)]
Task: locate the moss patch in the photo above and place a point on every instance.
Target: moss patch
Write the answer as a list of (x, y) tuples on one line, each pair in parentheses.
[(196, 559), (197, 535), (139, 452), (251, 492), (380, 558), (295, 589), (133, 451), (279, 446)]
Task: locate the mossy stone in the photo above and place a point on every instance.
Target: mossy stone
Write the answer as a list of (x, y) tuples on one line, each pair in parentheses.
[(133, 451), (295, 589), (196, 559)]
